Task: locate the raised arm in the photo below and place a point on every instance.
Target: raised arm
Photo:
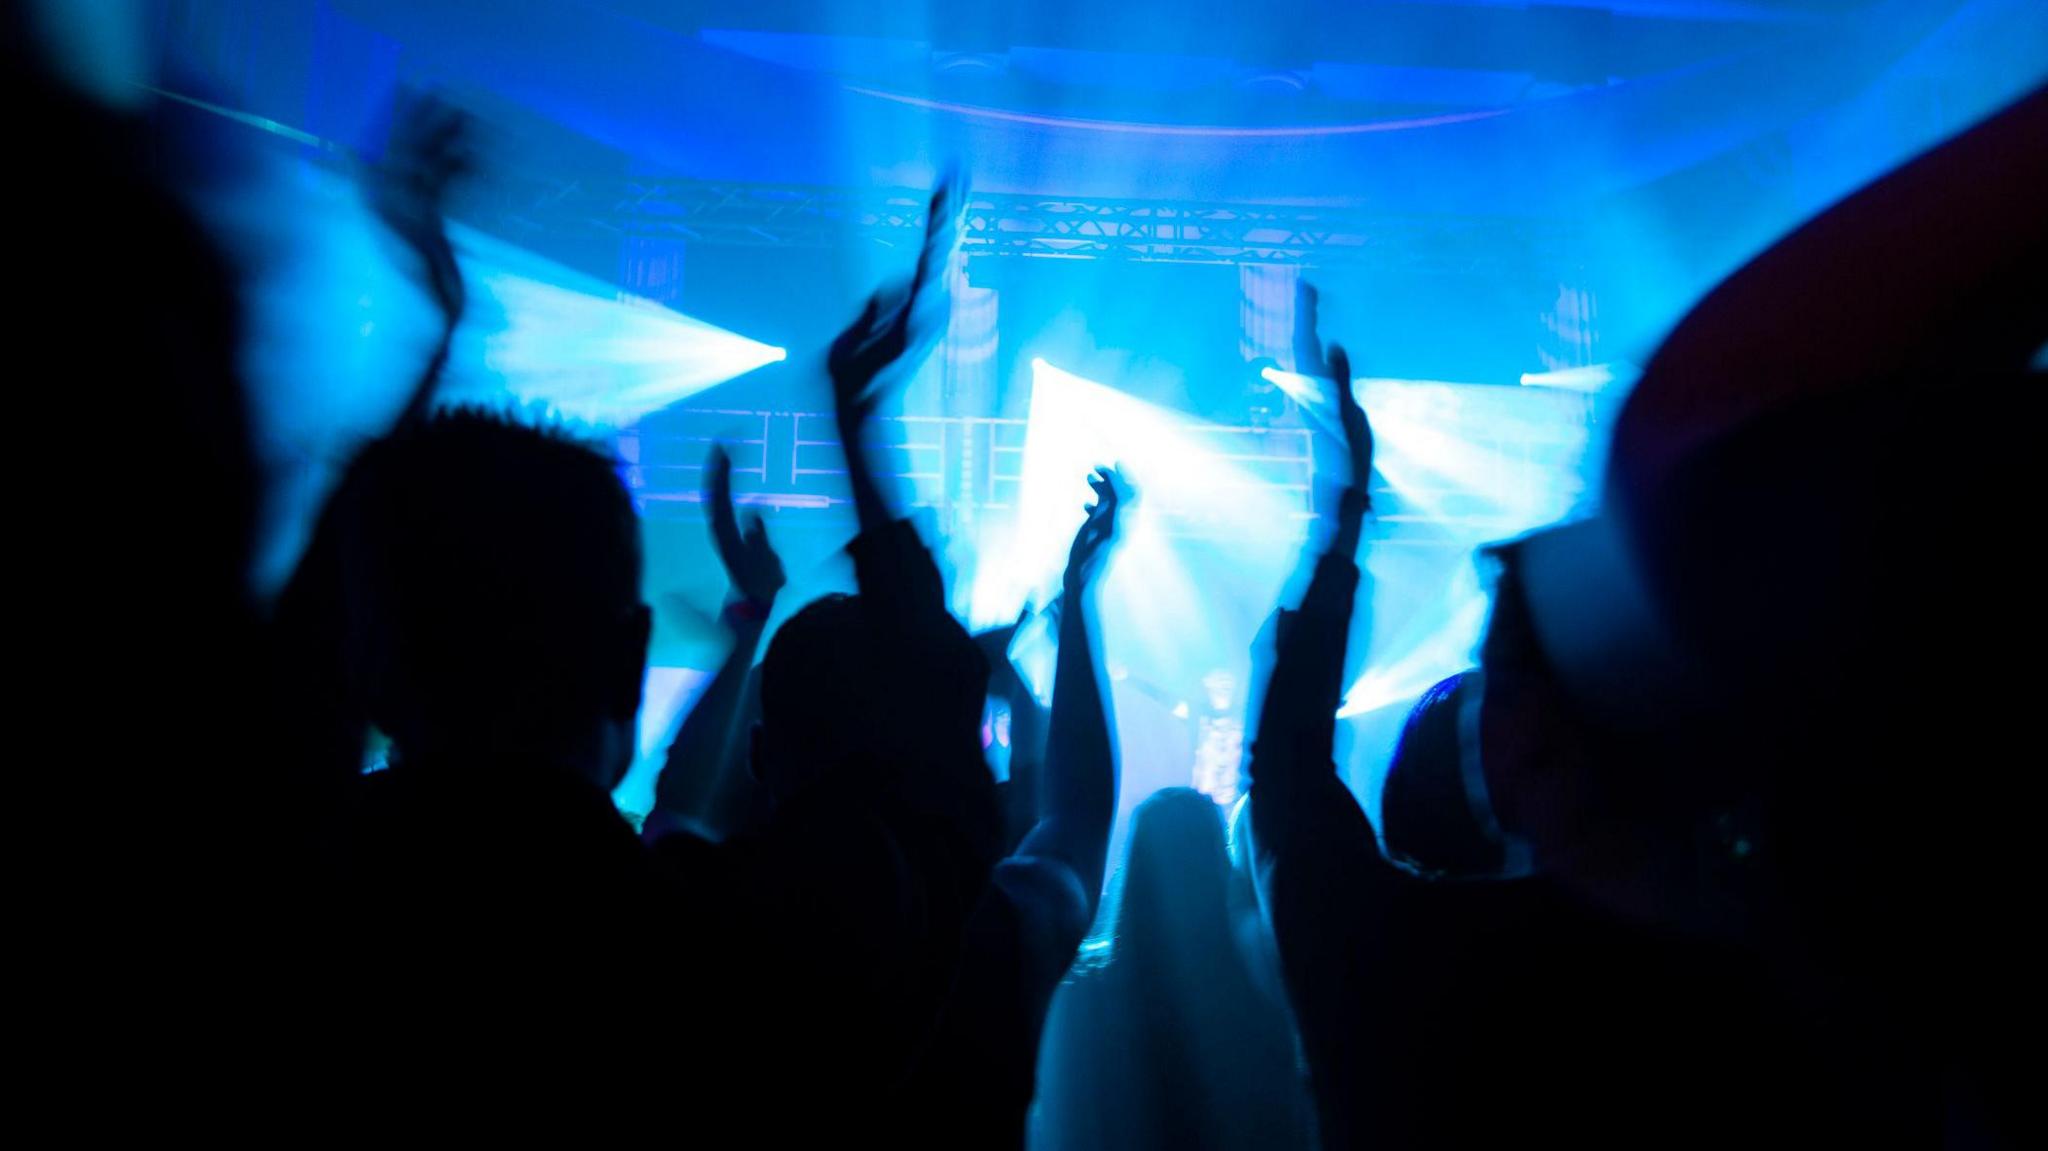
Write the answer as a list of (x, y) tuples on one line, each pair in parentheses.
[(1297, 721), (1077, 797), (895, 846), (888, 340), (697, 769), (922, 653), (427, 154), (1321, 879), (429, 151)]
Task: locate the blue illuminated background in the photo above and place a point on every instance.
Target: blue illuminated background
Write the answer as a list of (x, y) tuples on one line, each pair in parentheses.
[(1503, 203)]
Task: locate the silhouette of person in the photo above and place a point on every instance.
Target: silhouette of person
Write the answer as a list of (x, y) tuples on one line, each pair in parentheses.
[(1164, 1038), (1438, 1013), (975, 1085)]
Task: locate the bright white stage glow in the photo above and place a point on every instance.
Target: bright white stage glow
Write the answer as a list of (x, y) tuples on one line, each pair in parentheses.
[(1591, 378), (1205, 552), (1077, 425), (1468, 465), (1457, 466), (1301, 389), (578, 347), (339, 332)]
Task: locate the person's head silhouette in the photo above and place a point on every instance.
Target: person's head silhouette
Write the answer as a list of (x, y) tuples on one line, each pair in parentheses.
[(496, 595), (1175, 885), (1435, 815), (826, 686)]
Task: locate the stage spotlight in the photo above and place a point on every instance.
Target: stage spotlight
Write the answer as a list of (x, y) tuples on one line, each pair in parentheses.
[(1591, 378), (1304, 390), (344, 330), (1187, 484), (1464, 465), (581, 348), (1208, 542), (1436, 637)]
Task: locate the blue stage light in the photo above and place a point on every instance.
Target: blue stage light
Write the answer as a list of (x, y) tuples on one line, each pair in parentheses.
[(572, 344)]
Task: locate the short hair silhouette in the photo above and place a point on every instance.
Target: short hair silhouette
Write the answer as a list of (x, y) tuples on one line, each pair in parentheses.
[(825, 688), (496, 589)]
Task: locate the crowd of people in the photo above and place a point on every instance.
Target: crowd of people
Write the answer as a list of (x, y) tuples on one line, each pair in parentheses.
[(1715, 845)]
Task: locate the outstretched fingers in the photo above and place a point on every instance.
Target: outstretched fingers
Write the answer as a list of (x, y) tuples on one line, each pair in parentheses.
[(725, 529), (1357, 430)]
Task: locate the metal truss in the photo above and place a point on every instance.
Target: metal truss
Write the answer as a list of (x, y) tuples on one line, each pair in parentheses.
[(1004, 224), (969, 470), (965, 468)]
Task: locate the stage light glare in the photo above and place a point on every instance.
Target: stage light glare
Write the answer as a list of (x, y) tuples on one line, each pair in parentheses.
[(1076, 425), (1206, 547), (581, 348), (1590, 378), (1302, 389), (1465, 465)]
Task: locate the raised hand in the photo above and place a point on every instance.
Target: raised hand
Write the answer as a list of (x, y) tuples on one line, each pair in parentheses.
[(430, 149), (1312, 359), (428, 152), (1077, 795), (696, 783), (1356, 499), (1093, 542), (1351, 416), (891, 330), (885, 336), (750, 560), (1308, 344)]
